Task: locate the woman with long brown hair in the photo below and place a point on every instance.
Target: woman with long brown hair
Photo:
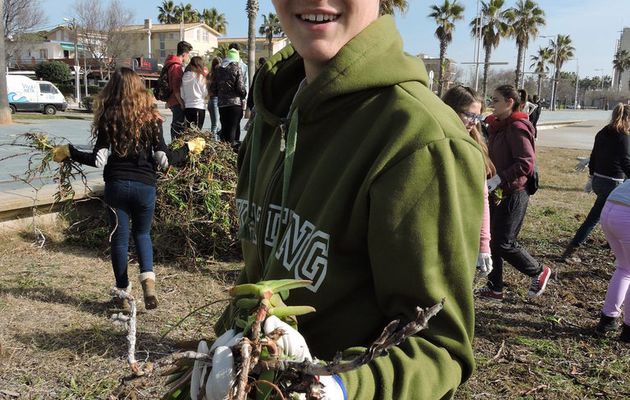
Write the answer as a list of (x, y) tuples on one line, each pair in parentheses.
[(468, 106), (127, 131), (610, 160)]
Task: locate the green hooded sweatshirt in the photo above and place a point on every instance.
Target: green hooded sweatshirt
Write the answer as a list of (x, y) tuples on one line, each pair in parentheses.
[(376, 192)]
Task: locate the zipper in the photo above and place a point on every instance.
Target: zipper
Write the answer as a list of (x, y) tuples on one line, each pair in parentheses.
[(262, 223)]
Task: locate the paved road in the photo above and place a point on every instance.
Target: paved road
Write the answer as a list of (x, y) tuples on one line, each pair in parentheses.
[(77, 131), (576, 136)]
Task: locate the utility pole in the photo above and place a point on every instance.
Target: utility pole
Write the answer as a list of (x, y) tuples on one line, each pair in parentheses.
[(577, 82), (477, 46), (72, 24)]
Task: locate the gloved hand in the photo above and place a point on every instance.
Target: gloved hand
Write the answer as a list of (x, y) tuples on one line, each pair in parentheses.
[(484, 264), (294, 346), (60, 153), (581, 166), (493, 183), (588, 188), (196, 145), (221, 374)]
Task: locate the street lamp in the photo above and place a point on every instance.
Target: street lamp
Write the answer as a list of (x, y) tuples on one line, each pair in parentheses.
[(601, 76), (72, 24), (477, 46)]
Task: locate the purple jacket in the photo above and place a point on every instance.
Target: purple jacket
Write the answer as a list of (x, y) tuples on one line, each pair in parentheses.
[(512, 150)]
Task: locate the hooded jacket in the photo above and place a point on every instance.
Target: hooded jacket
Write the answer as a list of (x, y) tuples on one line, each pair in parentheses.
[(375, 191), (511, 149), (194, 90), (175, 74), (228, 84)]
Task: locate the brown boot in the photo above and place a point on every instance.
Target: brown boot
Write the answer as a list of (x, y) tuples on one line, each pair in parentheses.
[(147, 279), (120, 303)]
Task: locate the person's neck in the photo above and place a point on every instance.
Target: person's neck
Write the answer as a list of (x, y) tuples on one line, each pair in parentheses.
[(312, 70), (505, 115)]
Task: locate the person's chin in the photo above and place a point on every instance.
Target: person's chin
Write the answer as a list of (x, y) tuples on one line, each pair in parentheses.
[(318, 54)]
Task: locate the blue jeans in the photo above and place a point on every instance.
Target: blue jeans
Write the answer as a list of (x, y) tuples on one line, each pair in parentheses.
[(602, 188), (135, 201), (213, 109), (179, 121)]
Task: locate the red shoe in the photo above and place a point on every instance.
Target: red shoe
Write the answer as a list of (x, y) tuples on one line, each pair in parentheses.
[(539, 282), (487, 293)]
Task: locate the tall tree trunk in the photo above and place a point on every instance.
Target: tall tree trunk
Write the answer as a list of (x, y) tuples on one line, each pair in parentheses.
[(519, 65), (270, 48), (486, 67), (441, 71), (5, 111), (252, 12), (540, 79), (556, 79)]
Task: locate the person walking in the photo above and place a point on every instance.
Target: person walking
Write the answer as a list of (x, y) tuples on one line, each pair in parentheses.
[(608, 166), (175, 74), (128, 136), (213, 102), (344, 122), (511, 149), (615, 221), (194, 92), (535, 115), (229, 86), (468, 106)]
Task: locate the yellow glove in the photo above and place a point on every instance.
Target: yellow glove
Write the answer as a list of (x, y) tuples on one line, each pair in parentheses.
[(196, 145), (60, 153)]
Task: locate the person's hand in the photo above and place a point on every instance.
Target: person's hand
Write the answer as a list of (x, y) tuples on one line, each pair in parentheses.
[(581, 166), (196, 145), (293, 346), (588, 188), (484, 264), (60, 153), (493, 182), (221, 374)]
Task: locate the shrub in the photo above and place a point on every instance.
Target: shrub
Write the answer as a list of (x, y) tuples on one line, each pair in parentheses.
[(87, 102), (53, 71)]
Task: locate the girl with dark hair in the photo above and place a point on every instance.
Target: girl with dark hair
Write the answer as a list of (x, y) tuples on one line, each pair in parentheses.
[(213, 103), (609, 166), (511, 149), (467, 104), (129, 140), (194, 91)]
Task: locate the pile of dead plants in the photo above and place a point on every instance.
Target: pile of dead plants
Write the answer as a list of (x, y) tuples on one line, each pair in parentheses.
[(195, 215)]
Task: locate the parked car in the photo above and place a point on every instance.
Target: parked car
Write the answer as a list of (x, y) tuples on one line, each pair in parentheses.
[(26, 94)]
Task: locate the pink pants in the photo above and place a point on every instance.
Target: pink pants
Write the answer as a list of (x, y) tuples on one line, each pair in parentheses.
[(615, 222)]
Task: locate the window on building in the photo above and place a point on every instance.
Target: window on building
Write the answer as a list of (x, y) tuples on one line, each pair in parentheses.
[(162, 53), (43, 53), (205, 36), (171, 36), (66, 54)]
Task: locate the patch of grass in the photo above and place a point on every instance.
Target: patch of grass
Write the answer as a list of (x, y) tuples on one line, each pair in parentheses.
[(38, 116)]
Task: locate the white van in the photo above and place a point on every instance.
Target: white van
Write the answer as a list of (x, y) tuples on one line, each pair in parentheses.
[(26, 94)]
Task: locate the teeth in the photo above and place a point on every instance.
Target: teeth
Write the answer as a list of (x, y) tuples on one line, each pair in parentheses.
[(318, 17)]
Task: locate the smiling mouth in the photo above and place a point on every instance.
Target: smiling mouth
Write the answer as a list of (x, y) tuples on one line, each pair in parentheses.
[(318, 18)]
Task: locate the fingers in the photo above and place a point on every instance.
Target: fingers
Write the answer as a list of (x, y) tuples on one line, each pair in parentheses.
[(222, 374), (199, 370), (292, 342)]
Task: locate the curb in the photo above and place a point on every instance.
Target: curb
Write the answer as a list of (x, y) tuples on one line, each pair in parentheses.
[(556, 124)]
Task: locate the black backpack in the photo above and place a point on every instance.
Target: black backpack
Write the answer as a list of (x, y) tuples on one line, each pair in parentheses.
[(162, 90)]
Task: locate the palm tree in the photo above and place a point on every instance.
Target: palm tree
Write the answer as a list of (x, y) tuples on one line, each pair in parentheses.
[(525, 21), (5, 111), (621, 63), (445, 17), (562, 51), (221, 51), (167, 12), (185, 13), (252, 12), (214, 19), (389, 6), (539, 64), (270, 28), (493, 28)]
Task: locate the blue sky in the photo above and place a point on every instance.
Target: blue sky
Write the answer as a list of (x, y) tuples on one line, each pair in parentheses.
[(593, 25)]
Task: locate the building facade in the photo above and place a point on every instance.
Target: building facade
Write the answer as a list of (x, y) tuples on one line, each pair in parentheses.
[(262, 44), (624, 44)]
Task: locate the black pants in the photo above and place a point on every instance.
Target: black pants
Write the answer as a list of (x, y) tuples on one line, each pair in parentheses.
[(506, 220), (195, 116), (230, 124), (602, 188)]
